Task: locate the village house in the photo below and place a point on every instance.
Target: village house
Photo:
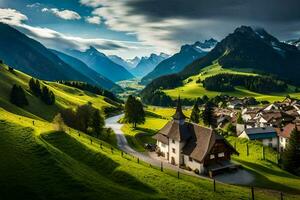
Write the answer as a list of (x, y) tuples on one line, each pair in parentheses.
[(285, 133), (192, 146), (266, 135)]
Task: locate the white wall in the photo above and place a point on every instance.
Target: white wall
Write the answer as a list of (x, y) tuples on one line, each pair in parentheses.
[(282, 143), (244, 135), (272, 141), (193, 164), (239, 128), (163, 148), (176, 155)]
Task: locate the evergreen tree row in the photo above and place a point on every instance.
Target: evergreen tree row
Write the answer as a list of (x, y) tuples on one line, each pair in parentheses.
[(46, 95), (18, 97), (227, 82)]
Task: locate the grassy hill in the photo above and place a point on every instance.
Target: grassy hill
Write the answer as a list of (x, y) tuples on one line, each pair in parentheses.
[(65, 96), (192, 90), (40, 163)]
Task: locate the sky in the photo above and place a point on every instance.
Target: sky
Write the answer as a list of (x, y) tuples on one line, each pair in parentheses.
[(130, 28)]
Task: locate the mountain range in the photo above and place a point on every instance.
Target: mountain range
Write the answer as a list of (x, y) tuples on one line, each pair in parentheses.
[(147, 64), (31, 57), (255, 49), (102, 64), (294, 42), (126, 63), (85, 70), (177, 62)]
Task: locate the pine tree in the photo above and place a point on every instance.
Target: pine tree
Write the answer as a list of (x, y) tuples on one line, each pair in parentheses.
[(207, 114), (195, 115), (18, 97), (134, 111), (97, 122), (291, 155)]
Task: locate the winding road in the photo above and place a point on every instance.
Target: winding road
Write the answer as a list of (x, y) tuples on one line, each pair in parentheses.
[(240, 177)]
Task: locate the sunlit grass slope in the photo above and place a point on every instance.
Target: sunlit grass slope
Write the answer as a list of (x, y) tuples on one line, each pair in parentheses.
[(37, 163), (267, 173), (193, 90), (65, 96)]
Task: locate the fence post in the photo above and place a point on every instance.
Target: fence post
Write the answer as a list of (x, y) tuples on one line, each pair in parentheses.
[(161, 166), (214, 185), (112, 150), (178, 174), (138, 160), (247, 149), (281, 196), (122, 154), (252, 193), (263, 152), (101, 145)]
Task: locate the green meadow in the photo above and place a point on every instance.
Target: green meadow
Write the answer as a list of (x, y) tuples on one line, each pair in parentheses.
[(192, 90)]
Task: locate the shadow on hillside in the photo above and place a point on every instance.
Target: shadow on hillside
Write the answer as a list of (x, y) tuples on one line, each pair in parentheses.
[(264, 181), (100, 163)]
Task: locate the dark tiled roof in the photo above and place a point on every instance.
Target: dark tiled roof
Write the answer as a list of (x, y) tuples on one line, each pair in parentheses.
[(176, 131), (261, 133), (162, 138)]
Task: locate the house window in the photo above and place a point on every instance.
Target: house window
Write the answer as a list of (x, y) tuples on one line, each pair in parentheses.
[(190, 159), (173, 150), (220, 155), (173, 141), (212, 156), (281, 139), (163, 145), (270, 140)]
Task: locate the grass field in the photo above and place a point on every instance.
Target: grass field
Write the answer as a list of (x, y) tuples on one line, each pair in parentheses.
[(65, 96), (44, 164), (266, 172), (192, 90)]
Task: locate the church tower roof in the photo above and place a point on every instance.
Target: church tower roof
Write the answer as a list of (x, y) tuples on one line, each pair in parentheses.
[(179, 114)]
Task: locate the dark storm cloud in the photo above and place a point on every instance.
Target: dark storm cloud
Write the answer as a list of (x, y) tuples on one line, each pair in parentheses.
[(254, 10)]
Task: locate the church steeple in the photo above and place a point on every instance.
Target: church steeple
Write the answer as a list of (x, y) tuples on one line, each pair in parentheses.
[(179, 114)]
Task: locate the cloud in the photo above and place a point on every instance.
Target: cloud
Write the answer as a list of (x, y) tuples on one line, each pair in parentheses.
[(11, 16), (60, 41), (34, 5), (167, 24), (93, 20), (63, 14)]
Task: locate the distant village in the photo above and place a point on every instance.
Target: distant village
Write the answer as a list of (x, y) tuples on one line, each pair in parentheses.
[(271, 124)]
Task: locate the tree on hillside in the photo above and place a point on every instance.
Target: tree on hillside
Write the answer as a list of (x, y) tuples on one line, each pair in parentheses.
[(97, 122), (47, 96), (207, 114), (291, 155), (18, 97), (83, 117), (35, 86), (195, 115), (134, 111)]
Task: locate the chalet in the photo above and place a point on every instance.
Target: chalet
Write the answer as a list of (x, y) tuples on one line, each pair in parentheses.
[(285, 133), (192, 146), (235, 104), (267, 135)]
